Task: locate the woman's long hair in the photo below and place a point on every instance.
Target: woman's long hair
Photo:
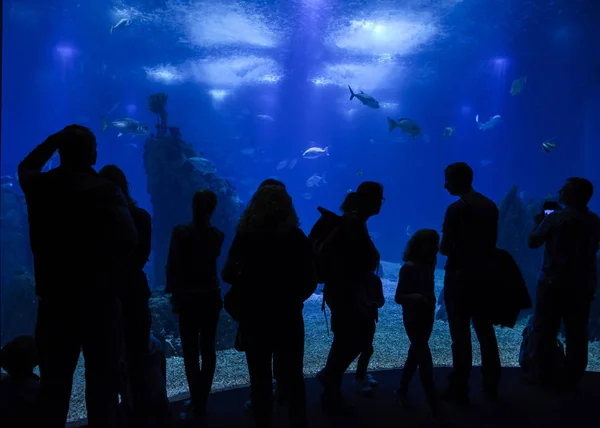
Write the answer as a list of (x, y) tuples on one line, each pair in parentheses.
[(270, 209), (117, 176), (422, 247)]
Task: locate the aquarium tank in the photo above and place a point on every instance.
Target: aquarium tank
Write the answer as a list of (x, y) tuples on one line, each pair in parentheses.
[(322, 95)]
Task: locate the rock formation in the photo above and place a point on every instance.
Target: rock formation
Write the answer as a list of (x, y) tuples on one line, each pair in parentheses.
[(172, 182)]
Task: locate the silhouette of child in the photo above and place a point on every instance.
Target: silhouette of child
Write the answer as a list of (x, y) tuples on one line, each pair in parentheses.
[(19, 390), (416, 294)]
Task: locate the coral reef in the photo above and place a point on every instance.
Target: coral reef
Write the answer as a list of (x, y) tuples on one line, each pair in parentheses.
[(171, 184), (157, 103)]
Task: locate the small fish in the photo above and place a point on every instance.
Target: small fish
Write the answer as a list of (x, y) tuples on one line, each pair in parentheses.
[(132, 145), (293, 163), (518, 85), (367, 100), (491, 123), (349, 191), (315, 152), (409, 230), (307, 196), (123, 23), (408, 126), (359, 174), (315, 180), (203, 165), (126, 125), (548, 145), (282, 164), (449, 131), (265, 117)]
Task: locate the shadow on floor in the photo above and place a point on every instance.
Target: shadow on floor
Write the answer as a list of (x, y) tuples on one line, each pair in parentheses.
[(520, 405)]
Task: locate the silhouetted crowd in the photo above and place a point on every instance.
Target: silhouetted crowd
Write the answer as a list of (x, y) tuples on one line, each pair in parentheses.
[(90, 242)]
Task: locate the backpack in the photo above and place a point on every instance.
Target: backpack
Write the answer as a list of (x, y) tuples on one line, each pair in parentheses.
[(322, 229), (527, 353)]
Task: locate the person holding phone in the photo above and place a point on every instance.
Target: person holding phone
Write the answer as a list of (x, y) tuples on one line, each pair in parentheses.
[(568, 280)]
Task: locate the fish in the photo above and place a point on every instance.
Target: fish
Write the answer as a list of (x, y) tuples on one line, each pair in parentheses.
[(518, 85), (315, 180), (359, 174), (449, 131), (349, 191), (548, 145), (307, 196), (282, 164), (293, 163), (408, 126), (126, 125), (491, 123), (409, 230), (123, 23), (366, 99), (315, 152), (265, 117), (203, 165)]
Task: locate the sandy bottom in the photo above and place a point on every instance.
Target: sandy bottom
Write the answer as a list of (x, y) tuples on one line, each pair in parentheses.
[(391, 347)]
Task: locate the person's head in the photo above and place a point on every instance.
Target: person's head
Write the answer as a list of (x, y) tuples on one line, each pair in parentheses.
[(369, 198), (271, 182), (19, 356), (77, 147), (117, 176), (270, 208), (459, 178), (204, 204), (576, 192), (422, 247), (350, 203)]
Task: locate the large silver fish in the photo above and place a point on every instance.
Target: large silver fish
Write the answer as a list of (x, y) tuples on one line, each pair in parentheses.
[(366, 99), (408, 126), (315, 152), (126, 125)]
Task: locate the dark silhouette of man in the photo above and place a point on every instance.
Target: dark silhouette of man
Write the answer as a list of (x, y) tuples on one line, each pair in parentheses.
[(80, 232), (196, 295), (568, 280), (469, 239)]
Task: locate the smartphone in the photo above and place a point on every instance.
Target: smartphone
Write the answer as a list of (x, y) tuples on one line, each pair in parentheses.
[(550, 206)]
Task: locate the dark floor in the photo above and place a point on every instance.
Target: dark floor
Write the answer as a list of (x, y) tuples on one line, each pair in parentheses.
[(520, 405)]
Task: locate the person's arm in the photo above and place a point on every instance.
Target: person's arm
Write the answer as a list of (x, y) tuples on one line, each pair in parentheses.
[(537, 236), (448, 232), (230, 271), (31, 166)]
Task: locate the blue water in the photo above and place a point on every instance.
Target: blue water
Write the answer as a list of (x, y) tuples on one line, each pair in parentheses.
[(439, 62), (252, 84)]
